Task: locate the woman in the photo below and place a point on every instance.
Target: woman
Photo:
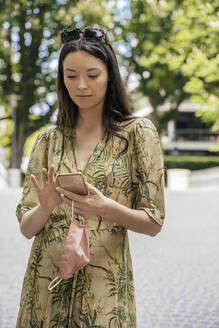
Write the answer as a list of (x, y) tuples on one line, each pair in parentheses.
[(121, 160)]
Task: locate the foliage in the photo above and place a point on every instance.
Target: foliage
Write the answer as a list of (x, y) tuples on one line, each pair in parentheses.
[(29, 44), (174, 47), (171, 48), (190, 162), (202, 64), (6, 130), (29, 51)]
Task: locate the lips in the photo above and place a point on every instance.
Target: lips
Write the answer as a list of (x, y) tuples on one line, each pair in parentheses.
[(83, 96)]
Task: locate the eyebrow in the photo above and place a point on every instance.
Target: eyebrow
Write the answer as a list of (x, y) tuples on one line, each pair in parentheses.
[(90, 69)]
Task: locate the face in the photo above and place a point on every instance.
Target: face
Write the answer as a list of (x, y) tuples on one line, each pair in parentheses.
[(85, 78)]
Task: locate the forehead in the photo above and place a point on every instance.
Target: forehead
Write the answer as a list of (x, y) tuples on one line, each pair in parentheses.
[(81, 60)]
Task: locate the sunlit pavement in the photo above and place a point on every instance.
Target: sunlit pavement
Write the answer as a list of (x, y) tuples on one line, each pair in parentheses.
[(176, 272)]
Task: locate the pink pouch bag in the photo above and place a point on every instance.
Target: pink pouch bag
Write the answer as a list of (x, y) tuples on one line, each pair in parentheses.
[(76, 251)]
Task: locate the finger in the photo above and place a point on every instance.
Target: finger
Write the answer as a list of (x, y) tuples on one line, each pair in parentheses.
[(91, 189), (51, 174), (35, 183), (66, 200), (70, 194), (78, 212), (44, 176), (77, 208)]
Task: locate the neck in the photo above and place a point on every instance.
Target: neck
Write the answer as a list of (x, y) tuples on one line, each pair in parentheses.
[(90, 119)]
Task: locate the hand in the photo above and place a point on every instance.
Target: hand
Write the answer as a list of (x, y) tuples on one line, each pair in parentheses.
[(48, 196), (93, 204)]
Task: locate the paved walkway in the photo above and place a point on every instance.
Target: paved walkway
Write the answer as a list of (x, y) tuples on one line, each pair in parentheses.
[(176, 273)]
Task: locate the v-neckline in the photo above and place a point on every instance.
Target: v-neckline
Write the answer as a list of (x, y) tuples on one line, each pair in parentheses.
[(91, 157)]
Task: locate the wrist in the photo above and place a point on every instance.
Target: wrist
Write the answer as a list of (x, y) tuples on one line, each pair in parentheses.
[(45, 211), (109, 205)]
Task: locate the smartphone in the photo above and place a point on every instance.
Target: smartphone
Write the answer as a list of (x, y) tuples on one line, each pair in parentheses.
[(73, 182)]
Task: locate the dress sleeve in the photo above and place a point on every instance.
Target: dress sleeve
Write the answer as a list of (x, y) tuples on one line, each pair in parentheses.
[(148, 171), (38, 160)]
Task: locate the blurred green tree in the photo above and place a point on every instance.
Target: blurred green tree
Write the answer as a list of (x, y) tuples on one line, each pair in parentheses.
[(29, 49), (28, 46), (174, 53), (170, 47)]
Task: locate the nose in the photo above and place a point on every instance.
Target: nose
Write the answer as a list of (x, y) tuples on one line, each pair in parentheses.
[(82, 84)]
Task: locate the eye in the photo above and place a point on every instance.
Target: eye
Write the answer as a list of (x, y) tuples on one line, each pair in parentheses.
[(71, 76), (93, 76)]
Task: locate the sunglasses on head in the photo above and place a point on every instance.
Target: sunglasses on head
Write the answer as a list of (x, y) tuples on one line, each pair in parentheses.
[(89, 35)]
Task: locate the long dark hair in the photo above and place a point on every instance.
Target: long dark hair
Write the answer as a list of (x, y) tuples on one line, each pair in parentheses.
[(116, 107)]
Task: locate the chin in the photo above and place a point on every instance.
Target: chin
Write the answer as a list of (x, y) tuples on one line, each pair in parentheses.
[(85, 107), (90, 106)]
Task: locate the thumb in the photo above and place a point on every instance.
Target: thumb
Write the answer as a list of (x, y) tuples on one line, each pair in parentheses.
[(91, 189)]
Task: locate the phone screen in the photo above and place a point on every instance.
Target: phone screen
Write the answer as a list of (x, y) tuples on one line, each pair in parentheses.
[(73, 182)]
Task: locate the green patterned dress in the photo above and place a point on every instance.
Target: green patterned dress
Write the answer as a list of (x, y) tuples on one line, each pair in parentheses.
[(102, 293)]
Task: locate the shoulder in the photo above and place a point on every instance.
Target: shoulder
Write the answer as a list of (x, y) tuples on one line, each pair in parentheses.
[(143, 132), (46, 136), (139, 126), (145, 136), (144, 123), (48, 133), (146, 127), (146, 133)]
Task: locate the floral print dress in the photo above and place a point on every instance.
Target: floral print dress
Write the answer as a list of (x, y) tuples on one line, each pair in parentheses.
[(102, 293)]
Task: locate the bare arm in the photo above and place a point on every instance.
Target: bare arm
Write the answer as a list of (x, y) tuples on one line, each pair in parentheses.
[(135, 220), (95, 203), (35, 219)]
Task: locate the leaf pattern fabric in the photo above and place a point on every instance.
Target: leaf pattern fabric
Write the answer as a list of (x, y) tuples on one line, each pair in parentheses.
[(102, 293)]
